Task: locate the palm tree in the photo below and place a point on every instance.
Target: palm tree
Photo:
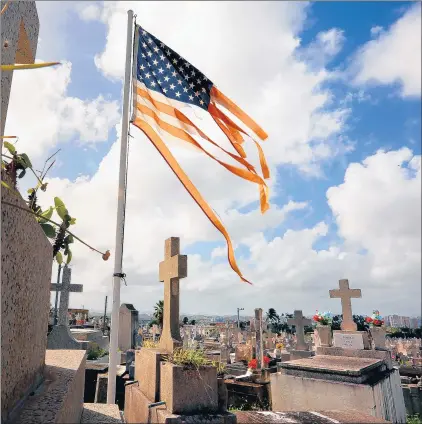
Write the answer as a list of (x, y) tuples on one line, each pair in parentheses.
[(159, 312)]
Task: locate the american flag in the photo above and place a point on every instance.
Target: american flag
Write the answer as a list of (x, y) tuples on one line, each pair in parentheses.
[(163, 83)]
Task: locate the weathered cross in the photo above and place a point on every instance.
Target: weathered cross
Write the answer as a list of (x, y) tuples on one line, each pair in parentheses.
[(19, 38), (299, 321), (172, 269), (345, 294), (65, 288)]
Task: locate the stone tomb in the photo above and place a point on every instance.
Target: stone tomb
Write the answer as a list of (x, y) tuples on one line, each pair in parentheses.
[(335, 380), (184, 391)]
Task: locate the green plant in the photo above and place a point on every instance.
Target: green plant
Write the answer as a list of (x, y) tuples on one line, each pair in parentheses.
[(413, 419), (188, 358), (221, 368), (159, 313), (95, 353), (149, 344), (19, 162)]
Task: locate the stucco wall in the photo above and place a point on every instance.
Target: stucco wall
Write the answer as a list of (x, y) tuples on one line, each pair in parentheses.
[(26, 262)]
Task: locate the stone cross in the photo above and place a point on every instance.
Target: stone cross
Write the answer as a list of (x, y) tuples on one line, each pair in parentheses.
[(172, 269), (19, 38), (65, 288), (345, 294), (258, 338), (299, 321)]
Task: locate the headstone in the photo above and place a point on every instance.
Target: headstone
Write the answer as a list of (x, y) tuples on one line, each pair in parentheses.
[(299, 321), (346, 294), (19, 35), (128, 326), (259, 341), (172, 269), (348, 340)]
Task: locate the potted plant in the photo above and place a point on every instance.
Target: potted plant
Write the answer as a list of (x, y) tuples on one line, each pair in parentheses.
[(377, 330), (323, 328)]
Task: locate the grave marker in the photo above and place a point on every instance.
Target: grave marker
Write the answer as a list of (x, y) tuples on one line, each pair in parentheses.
[(259, 340), (65, 288), (299, 321), (346, 294), (172, 269)]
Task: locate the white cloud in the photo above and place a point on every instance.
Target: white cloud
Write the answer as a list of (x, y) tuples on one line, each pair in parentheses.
[(326, 46), (394, 56), (39, 100)]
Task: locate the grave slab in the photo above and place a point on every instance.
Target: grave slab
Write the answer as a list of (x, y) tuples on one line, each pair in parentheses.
[(317, 417), (101, 413)]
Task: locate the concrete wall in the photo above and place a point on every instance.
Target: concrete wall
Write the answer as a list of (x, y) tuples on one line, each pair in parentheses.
[(26, 262)]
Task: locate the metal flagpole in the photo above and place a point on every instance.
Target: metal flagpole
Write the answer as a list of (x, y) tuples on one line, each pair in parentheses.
[(121, 200)]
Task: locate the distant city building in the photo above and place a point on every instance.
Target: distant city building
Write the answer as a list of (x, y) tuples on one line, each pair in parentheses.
[(399, 321)]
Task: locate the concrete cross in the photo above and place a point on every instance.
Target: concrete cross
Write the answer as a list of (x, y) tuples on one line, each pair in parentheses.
[(65, 288), (299, 321), (19, 37), (259, 343), (172, 269), (345, 294)]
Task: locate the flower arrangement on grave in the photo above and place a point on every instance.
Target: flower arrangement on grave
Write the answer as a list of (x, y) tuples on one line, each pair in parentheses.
[(325, 318), (375, 320), (279, 346), (253, 363)]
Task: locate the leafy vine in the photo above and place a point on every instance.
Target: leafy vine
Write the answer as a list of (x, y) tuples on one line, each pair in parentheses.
[(59, 233)]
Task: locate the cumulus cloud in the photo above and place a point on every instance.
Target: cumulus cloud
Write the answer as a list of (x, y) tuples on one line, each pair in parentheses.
[(39, 99), (394, 55)]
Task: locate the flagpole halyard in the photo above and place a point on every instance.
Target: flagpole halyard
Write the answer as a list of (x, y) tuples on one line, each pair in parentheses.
[(121, 203)]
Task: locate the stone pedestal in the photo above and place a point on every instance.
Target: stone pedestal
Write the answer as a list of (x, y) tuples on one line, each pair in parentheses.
[(188, 391), (300, 354)]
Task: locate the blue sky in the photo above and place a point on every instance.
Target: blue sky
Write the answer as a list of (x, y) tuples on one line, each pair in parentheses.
[(379, 117)]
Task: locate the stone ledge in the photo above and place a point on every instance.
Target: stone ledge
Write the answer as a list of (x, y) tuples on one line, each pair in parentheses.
[(100, 413), (322, 417), (60, 397)]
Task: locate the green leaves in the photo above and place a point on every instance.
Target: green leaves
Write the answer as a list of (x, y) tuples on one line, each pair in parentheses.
[(47, 214), (72, 221), (60, 208), (9, 147), (49, 230), (24, 157), (59, 258)]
